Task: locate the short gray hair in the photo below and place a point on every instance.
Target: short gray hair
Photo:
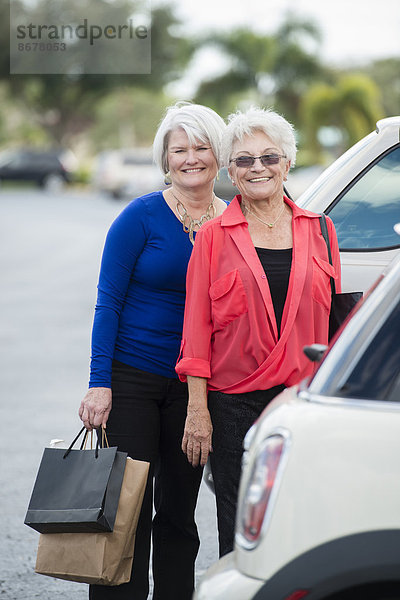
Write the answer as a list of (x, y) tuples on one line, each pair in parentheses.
[(200, 123), (280, 131)]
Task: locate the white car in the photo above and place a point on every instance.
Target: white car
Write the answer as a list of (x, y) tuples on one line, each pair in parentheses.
[(128, 172), (319, 501), (360, 191)]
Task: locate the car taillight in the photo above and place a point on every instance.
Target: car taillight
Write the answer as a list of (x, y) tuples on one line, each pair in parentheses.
[(258, 490)]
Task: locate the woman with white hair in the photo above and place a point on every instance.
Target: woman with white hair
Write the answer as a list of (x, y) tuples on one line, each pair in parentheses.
[(137, 330), (258, 291)]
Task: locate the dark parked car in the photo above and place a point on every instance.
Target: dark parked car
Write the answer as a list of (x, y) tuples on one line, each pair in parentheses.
[(48, 169)]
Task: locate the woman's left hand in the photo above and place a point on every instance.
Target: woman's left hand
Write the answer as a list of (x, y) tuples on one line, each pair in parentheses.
[(196, 442)]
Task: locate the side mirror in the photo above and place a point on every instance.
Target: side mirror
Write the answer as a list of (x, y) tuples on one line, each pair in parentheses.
[(315, 352)]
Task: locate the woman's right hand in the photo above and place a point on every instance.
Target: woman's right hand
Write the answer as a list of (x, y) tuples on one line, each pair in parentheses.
[(196, 442), (95, 407)]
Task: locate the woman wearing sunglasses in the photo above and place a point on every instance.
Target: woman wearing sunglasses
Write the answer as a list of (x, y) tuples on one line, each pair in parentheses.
[(258, 291)]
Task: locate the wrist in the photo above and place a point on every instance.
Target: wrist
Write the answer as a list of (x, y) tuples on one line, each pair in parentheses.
[(198, 405)]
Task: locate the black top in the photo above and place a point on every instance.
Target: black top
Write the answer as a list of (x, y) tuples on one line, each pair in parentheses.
[(277, 265)]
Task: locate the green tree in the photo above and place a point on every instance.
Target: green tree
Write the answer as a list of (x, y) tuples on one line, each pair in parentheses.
[(251, 56), (386, 75), (352, 106), (297, 64), (276, 68), (63, 104), (127, 117)]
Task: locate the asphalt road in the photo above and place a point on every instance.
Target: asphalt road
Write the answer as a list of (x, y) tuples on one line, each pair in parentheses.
[(50, 250)]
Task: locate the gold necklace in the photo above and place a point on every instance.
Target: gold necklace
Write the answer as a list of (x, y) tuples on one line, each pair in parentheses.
[(188, 222), (270, 225)]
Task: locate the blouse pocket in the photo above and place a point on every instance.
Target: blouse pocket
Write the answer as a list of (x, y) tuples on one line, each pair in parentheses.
[(228, 298), (321, 281)]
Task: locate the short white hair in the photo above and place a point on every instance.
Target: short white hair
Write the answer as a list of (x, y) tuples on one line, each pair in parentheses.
[(200, 123), (276, 127)]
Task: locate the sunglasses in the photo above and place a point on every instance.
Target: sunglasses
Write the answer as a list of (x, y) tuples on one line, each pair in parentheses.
[(266, 159)]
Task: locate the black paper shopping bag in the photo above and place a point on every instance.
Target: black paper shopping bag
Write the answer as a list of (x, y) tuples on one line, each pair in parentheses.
[(76, 491)]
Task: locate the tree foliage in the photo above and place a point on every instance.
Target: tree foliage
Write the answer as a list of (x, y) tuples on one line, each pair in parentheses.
[(250, 55), (278, 67), (127, 117), (63, 104), (386, 75), (351, 105)]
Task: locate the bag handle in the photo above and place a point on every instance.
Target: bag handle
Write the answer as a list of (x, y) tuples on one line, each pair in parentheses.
[(103, 444), (325, 235)]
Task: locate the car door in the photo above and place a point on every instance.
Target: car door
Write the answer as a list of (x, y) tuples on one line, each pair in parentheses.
[(364, 215)]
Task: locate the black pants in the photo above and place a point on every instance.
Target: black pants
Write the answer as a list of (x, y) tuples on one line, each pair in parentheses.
[(232, 415), (147, 421)]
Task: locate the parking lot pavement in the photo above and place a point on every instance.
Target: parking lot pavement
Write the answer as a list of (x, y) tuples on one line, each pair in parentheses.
[(49, 258)]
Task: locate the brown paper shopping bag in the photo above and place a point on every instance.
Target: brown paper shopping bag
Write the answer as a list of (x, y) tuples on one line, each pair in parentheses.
[(102, 558)]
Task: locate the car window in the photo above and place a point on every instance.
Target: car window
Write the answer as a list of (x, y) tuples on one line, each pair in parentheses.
[(365, 214), (6, 158), (377, 372), (42, 161), (18, 161)]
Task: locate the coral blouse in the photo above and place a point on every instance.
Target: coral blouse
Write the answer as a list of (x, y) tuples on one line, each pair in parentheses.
[(230, 333)]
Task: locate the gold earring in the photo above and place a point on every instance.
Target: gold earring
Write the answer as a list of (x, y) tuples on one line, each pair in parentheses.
[(217, 177), (167, 178)]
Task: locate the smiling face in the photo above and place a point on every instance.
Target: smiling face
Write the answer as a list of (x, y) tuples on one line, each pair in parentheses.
[(190, 166), (258, 182)]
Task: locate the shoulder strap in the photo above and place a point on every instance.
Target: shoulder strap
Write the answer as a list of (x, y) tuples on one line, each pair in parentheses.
[(325, 235)]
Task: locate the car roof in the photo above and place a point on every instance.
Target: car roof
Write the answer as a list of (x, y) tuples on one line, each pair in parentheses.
[(339, 174)]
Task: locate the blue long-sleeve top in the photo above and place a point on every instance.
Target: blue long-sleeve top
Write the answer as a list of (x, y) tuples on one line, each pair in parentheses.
[(141, 291)]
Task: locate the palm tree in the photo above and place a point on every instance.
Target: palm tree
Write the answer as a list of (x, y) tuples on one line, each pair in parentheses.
[(352, 106), (274, 70)]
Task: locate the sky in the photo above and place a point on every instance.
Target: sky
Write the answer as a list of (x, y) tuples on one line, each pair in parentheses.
[(353, 31)]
